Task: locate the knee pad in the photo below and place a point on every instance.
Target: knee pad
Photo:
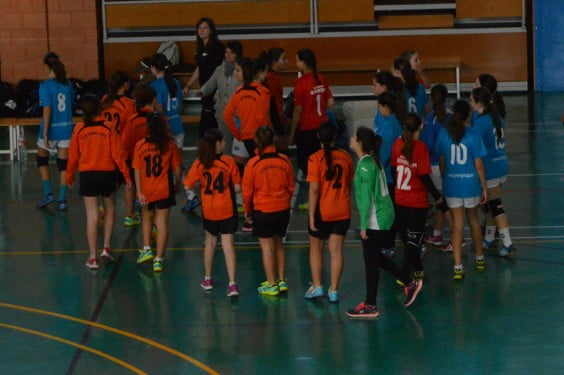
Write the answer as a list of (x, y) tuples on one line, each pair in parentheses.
[(414, 238), (496, 207), (62, 164), (42, 161)]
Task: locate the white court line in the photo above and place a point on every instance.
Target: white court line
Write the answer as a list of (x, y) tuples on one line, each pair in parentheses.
[(466, 229), (535, 174), (509, 131)]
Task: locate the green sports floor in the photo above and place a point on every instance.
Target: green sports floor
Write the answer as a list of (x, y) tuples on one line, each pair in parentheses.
[(56, 317)]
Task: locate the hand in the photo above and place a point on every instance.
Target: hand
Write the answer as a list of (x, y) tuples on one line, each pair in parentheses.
[(291, 139), (185, 90), (128, 186), (70, 184), (484, 198), (46, 141), (363, 235), (199, 93), (312, 226), (248, 218), (142, 199)]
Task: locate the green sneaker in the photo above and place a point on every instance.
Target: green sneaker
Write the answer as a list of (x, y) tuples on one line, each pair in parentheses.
[(268, 290), (158, 264), (145, 256), (282, 286), (131, 221), (480, 264), (303, 206), (458, 274)]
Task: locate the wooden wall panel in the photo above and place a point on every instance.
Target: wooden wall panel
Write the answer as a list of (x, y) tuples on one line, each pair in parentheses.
[(415, 22), (503, 55), (222, 12), (488, 8), (342, 11)]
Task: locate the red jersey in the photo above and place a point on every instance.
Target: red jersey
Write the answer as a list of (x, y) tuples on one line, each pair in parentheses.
[(252, 107), (218, 198), (410, 191), (312, 95), (334, 194), (274, 84), (134, 131), (155, 169), (268, 182), (95, 147), (121, 109)]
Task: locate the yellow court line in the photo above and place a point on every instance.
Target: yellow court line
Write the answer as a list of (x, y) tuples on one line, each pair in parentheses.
[(117, 331), (67, 342)]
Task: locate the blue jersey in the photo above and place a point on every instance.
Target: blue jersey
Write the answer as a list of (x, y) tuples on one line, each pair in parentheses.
[(58, 97), (460, 178), (389, 128), (473, 117), (378, 120), (429, 133), (495, 163), (171, 106), (416, 103)]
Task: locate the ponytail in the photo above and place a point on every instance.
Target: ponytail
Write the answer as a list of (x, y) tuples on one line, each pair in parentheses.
[(143, 95), (264, 137), (54, 63), (412, 123), (159, 133), (115, 83), (489, 81), (327, 134), (484, 96), (456, 127), (161, 64), (370, 142), (439, 94), (90, 105), (206, 147), (308, 57)]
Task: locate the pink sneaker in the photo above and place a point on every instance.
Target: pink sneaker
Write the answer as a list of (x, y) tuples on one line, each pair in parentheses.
[(207, 284), (92, 264), (233, 290), (435, 240), (106, 255)]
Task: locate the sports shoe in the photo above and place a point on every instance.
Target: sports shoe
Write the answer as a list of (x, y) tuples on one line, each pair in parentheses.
[(247, 226), (282, 285), (314, 292), (131, 221), (489, 245), (240, 209), (333, 295), (423, 250), (303, 206), (418, 275), (145, 256), (400, 283), (435, 240), (191, 205), (92, 264), (458, 274), (106, 255), (268, 290), (388, 252), (411, 291), (47, 200), (207, 284), (158, 265), (233, 290), (62, 206), (363, 311), (506, 251), (138, 207), (447, 247), (480, 264)]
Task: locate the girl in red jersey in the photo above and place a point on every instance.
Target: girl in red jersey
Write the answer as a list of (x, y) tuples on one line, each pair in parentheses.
[(268, 185), (219, 178), (157, 164), (95, 150), (135, 129), (116, 106), (411, 169), (330, 173), (277, 61)]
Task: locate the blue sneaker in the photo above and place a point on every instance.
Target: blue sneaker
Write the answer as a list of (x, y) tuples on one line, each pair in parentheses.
[(62, 206), (47, 200), (333, 295), (388, 252), (314, 292), (489, 245), (506, 251), (191, 205)]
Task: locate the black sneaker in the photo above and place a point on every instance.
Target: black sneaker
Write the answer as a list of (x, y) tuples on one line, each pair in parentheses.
[(247, 227), (411, 291), (363, 311)]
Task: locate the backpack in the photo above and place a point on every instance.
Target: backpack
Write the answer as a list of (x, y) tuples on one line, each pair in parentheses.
[(8, 103), (27, 98), (171, 51)]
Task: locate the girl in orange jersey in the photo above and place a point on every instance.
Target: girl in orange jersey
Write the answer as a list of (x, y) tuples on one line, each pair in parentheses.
[(157, 164), (96, 151), (116, 106), (330, 173), (135, 130), (268, 185), (219, 178)]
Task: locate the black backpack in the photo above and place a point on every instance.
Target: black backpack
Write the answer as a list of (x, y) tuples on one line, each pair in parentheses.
[(8, 104), (27, 98)]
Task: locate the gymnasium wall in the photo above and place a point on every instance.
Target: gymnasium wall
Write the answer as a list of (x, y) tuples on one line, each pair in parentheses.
[(24, 38), (549, 45)]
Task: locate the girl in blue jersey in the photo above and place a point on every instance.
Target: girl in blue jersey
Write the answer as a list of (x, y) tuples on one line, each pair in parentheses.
[(490, 82), (415, 95), (461, 150), (55, 130), (491, 128)]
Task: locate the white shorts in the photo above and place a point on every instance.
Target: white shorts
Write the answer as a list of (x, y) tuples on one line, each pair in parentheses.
[(179, 140), (64, 143), (494, 182), (436, 177), (239, 149), (462, 202)]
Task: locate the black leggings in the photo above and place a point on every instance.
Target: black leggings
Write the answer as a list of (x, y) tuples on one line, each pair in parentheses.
[(373, 260), (207, 116), (307, 143), (410, 223), (390, 241)]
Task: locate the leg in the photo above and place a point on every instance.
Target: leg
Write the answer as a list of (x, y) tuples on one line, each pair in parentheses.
[(129, 200), (496, 210), (147, 226), (476, 231), (456, 234), (229, 253), (109, 217), (371, 269), (335, 245), (209, 252), (161, 221), (268, 259), (316, 259), (62, 157), (91, 205), (280, 258), (43, 167)]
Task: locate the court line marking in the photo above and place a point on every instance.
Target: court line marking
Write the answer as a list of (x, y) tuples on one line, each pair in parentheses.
[(79, 346), (117, 331), (535, 174)]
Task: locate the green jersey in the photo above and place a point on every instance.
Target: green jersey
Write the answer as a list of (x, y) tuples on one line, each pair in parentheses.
[(372, 197)]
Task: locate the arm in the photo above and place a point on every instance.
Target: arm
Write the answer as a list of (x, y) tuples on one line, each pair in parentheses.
[(46, 125), (482, 175), (363, 196), (248, 188), (228, 114), (330, 102), (140, 196), (177, 172), (210, 86), (313, 197), (295, 121), (72, 159), (431, 188), (119, 160), (191, 81)]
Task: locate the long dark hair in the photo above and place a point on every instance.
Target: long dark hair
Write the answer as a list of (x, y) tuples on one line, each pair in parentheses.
[(369, 142), (264, 137), (159, 132), (246, 66), (161, 64), (206, 147), (143, 95), (213, 35), (489, 81), (327, 134), (90, 105), (54, 63), (388, 99), (274, 55), (408, 74), (384, 78), (456, 126), (411, 124), (308, 57), (484, 96), (116, 81), (439, 95), (260, 64)]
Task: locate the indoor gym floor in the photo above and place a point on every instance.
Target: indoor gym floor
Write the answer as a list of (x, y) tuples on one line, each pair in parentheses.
[(56, 317)]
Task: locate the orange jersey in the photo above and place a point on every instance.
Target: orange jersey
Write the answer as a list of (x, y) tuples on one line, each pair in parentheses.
[(334, 201), (252, 107), (268, 182), (218, 198), (95, 147), (134, 131), (155, 169), (118, 112)]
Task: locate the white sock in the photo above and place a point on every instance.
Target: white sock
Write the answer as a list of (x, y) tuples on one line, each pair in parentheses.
[(207, 277), (490, 233), (146, 247), (232, 283), (190, 194), (479, 257), (157, 259), (437, 232), (458, 267), (505, 237)]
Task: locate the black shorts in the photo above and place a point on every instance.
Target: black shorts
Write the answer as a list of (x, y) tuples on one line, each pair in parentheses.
[(327, 228), (226, 226), (270, 224), (163, 204), (97, 183), (250, 146), (307, 143), (120, 180)]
